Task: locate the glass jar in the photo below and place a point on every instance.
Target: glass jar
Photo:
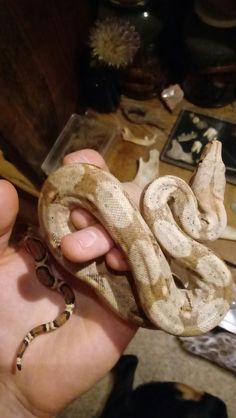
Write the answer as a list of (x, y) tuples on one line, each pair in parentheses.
[(144, 76), (209, 43)]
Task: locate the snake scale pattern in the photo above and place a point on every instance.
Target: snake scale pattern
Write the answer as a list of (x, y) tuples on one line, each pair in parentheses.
[(174, 220), (38, 251)]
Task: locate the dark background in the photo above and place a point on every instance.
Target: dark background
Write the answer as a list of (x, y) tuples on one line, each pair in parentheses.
[(41, 48)]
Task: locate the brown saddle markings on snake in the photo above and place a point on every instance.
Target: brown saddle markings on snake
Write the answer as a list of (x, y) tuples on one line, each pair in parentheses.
[(156, 302), (37, 249)]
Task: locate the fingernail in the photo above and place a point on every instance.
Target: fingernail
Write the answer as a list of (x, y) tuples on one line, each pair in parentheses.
[(86, 239)]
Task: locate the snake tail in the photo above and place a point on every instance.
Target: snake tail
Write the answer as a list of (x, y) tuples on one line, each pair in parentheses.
[(36, 248)]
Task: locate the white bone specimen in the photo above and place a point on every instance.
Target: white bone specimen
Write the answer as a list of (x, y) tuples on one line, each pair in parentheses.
[(147, 170), (196, 147), (187, 137), (146, 141), (176, 152), (211, 133)]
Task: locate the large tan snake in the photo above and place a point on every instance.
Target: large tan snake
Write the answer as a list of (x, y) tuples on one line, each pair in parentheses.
[(147, 295)]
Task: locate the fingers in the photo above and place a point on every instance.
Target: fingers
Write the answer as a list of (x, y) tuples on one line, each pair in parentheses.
[(92, 240), (9, 205), (116, 260), (87, 244), (86, 156), (82, 218)]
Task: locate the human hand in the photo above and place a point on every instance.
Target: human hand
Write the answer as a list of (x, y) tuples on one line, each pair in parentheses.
[(59, 366)]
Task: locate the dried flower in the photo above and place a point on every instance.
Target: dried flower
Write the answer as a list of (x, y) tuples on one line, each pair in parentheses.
[(114, 41)]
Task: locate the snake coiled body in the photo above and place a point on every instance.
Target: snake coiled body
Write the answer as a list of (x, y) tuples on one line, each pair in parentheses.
[(148, 295)]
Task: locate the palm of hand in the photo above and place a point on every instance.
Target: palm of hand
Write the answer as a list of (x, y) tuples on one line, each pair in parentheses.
[(59, 366)]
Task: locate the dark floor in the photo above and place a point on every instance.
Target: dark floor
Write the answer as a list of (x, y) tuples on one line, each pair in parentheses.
[(162, 358)]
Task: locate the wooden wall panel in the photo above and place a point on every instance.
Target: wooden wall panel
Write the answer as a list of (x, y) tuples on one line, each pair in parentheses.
[(40, 48)]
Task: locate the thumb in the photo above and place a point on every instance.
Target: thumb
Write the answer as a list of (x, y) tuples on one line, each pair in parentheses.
[(9, 205)]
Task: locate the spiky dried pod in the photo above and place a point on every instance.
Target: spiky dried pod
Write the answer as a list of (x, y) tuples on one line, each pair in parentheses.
[(114, 41)]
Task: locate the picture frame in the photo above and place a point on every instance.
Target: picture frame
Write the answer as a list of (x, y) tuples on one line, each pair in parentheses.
[(191, 132)]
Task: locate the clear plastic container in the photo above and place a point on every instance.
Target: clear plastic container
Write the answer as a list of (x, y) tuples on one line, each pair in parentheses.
[(79, 132)]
